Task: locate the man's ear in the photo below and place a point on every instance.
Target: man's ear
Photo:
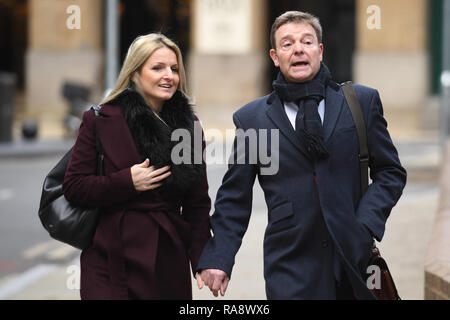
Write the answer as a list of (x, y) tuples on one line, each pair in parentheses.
[(273, 56), (321, 51)]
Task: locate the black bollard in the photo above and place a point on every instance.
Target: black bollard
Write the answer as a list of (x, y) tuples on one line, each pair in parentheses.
[(29, 129)]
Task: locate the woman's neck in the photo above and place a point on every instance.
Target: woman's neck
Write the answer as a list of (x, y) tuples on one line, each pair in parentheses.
[(155, 105)]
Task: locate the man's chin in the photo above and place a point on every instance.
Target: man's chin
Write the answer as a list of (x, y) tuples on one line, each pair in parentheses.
[(299, 78)]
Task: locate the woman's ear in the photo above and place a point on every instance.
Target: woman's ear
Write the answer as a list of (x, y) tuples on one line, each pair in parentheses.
[(135, 77)]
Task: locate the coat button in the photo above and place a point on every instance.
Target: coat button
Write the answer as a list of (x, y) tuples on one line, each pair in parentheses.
[(325, 243)]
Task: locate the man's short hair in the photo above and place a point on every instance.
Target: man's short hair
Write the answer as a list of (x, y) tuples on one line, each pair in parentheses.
[(299, 17)]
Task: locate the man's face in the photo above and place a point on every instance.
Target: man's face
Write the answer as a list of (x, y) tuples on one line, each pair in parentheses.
[(298, 53)]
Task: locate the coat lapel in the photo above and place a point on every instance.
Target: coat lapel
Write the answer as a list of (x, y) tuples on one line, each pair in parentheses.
[(116, 138), (334, 101), (278, 116)]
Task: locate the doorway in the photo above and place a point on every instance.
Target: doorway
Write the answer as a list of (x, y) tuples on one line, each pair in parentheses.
[(170, 17), (13, 38)]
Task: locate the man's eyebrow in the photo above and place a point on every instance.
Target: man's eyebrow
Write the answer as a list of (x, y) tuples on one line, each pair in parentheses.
[(286, 37), (289, 36)]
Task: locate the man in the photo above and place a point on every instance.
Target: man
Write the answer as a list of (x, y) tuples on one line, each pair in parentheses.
[(320, 231)]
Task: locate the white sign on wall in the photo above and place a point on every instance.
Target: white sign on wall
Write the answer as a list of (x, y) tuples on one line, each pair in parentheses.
[(223, 26)]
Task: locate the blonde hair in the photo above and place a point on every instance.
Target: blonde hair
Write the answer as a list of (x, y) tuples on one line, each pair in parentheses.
[(138, 53)]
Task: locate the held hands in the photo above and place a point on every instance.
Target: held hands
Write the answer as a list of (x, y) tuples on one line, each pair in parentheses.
[(148, 178), (215, 279)]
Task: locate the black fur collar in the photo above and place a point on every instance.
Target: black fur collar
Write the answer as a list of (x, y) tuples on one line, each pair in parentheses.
[(152, 136)]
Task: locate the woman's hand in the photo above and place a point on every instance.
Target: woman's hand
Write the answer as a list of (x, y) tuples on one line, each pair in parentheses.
[(148, 178)]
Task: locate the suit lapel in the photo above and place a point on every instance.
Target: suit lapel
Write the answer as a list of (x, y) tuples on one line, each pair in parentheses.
[(116, 137), (277, 114), (334, 101)]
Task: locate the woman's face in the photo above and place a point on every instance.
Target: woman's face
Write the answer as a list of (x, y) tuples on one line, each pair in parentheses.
[(159, 77)]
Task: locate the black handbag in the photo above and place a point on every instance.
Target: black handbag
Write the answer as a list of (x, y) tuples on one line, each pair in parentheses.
[(387, 289), (64, 222)]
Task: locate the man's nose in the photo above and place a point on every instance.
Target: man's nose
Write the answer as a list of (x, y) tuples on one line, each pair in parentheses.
[(298, 47)]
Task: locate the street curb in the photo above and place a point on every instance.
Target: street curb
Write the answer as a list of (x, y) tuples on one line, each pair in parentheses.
[(35, 148)]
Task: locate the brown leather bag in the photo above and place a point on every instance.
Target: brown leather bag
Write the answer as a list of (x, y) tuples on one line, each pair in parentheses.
[(386, 289)]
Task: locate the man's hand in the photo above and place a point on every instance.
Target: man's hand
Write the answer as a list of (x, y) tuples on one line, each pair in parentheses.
[(215, 279)]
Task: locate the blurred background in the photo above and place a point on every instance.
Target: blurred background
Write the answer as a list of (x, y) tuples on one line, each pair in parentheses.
[(58, 57)]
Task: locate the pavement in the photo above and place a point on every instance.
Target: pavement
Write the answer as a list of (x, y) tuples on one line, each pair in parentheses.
[(404, 245), (34, 148)]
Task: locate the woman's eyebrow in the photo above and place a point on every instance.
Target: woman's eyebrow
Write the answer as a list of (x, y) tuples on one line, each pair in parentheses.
[(163, 63)]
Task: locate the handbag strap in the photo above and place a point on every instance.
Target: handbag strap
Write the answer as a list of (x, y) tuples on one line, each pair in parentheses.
[(355, 109), (98, 146)]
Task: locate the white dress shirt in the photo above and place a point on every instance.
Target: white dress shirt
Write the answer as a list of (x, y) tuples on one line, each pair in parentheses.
[(291, 111)]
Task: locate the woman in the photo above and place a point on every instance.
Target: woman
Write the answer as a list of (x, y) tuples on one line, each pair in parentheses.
[(154, 217)]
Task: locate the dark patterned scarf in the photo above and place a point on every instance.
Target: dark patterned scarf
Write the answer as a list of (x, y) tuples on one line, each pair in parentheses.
[(307, 96)]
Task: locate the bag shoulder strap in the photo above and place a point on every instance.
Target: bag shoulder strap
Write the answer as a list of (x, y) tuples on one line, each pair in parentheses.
[(357, 115), (98, 145)]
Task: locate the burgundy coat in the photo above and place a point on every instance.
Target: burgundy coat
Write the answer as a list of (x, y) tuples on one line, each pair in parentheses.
[(143, 244)]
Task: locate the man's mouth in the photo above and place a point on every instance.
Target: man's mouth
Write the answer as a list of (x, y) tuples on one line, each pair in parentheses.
[(300, 64)]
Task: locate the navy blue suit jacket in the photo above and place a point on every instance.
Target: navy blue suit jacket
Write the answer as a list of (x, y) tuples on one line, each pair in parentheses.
[(315, 230)]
